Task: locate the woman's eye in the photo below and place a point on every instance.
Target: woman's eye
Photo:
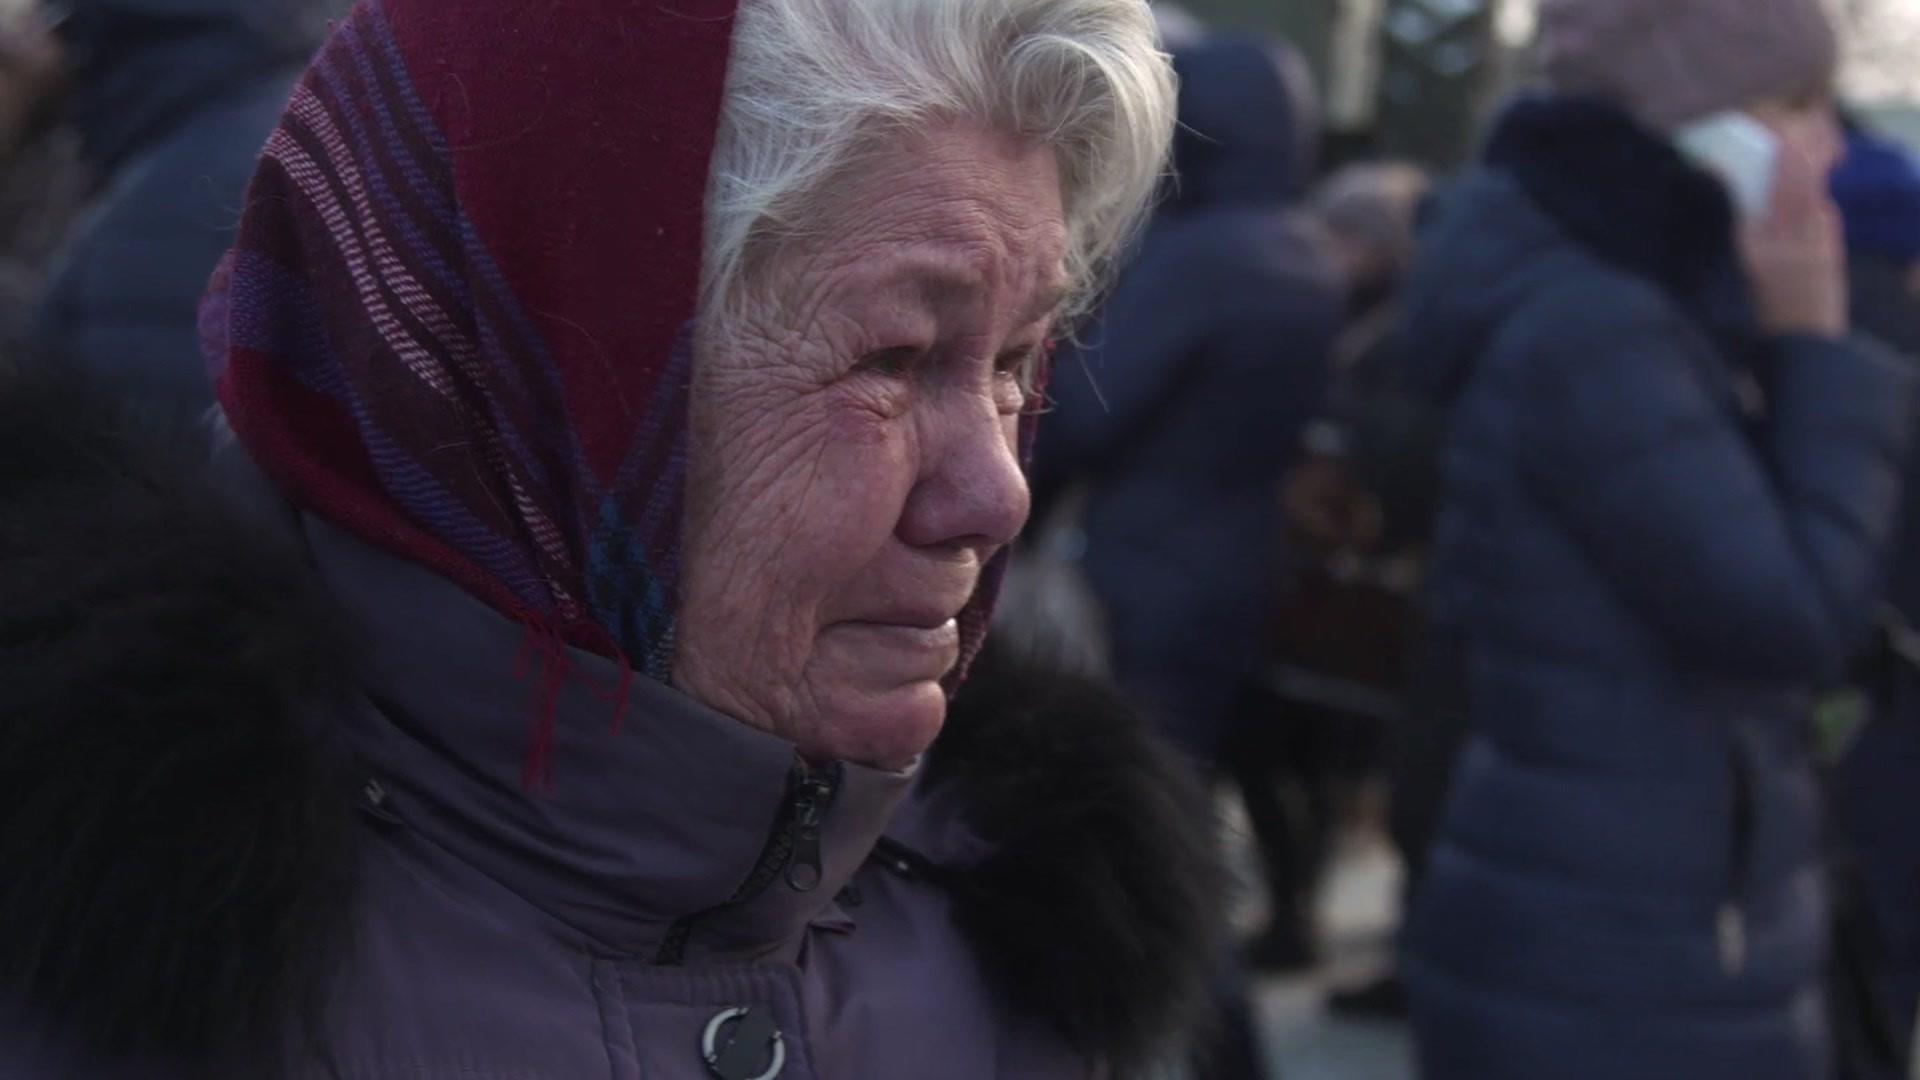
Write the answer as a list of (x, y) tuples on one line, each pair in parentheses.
[(1019, 363), (895, 362), (1023, 368)]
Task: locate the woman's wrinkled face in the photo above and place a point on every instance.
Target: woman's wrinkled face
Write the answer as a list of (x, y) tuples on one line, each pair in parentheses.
[(855, 446)]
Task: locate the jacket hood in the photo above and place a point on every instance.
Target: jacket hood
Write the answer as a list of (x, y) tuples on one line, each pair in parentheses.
[(1246, 124), (1877, 187), (140, 66)]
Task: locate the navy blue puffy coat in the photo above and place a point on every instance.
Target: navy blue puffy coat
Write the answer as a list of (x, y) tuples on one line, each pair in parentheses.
[(1184, 410), (173, 100), (1661, 532)]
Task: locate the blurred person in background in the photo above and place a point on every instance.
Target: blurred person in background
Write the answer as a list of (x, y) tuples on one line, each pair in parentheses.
[(1370, 213), (41, 179), (172, 100), (1360, 488), (1179, 409), (546, 669), (32, 77), (1174, 419), (1178, 26), (1877, 187), (1361, 504), (1670, 484), (1342, 613)]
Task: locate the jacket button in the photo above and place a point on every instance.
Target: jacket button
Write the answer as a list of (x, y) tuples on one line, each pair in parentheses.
[(743, 1044)]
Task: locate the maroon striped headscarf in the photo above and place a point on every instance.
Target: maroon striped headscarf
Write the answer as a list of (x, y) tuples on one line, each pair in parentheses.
[(457, 321)]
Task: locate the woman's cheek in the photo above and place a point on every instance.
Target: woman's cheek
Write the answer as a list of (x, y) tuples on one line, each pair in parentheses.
[(867, 469)]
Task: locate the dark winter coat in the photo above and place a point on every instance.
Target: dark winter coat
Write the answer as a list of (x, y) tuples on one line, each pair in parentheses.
[(1885, 306), (1183, 409), (1661, 533), (173, 100), (263, 778), (1873, 789)]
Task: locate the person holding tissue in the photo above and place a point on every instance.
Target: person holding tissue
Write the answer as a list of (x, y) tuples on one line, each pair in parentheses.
[(1670, 481)]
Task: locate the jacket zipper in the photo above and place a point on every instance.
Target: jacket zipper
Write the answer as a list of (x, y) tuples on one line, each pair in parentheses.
[(810, 803), (1730, 922), (792, 850)]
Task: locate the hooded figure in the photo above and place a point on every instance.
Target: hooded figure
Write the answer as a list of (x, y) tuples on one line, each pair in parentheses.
[(538, 676), (1878, 190), (173, 100), (1180, 412), (1669, 486), (1877, 187)]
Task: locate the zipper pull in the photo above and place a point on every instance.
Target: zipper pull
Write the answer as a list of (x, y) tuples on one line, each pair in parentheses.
[(376, 804), (810, 804), (1730, 928)]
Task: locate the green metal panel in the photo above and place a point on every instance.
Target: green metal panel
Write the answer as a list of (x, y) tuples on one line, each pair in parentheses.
[(1439, 62)]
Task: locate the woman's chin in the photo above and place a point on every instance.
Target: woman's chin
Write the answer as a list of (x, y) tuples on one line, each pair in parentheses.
[(883, 728)]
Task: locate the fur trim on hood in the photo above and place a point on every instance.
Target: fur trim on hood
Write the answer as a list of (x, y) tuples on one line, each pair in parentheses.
[(178, 840), (1101, 906)]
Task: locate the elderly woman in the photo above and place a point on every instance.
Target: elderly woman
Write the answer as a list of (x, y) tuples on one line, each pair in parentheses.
[(626, 408)]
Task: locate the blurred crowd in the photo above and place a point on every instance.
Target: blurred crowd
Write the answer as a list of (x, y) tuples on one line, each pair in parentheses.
[(1561, 494), (1561, 497), (129, 130)]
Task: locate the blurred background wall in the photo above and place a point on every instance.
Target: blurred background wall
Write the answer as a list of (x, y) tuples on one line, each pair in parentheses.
[(1412, 78)]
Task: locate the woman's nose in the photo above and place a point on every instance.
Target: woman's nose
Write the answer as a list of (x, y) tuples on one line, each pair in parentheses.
[(971, 490)]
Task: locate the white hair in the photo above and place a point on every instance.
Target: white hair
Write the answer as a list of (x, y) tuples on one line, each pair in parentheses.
[(814, 82)]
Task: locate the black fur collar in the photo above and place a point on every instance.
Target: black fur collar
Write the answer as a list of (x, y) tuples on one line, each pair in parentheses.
[(1101, 907), (173, 815), (176, 842), (1627, 195)]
